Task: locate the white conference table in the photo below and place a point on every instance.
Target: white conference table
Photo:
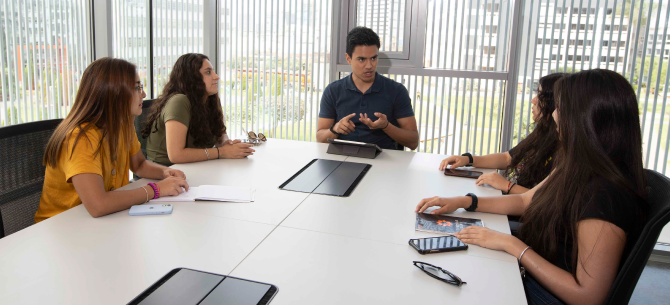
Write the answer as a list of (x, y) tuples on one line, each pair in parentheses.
[(317, 249)]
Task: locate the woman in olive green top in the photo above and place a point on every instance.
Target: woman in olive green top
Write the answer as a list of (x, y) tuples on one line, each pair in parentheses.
[(186, 122)]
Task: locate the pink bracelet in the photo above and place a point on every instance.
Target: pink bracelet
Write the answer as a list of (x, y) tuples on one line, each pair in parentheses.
[(155, 188)]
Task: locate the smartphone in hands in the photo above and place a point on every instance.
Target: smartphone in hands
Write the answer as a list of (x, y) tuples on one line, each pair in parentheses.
[(462, 173)]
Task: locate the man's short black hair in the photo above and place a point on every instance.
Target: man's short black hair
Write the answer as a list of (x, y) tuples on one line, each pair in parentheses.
[(361, 36)]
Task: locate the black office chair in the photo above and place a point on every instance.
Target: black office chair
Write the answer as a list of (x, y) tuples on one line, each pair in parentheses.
[(658, 192), (22, 173), (140, 123)]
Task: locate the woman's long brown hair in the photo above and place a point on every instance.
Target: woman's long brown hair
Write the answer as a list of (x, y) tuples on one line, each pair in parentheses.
[(600, 138), (541, 144), (103, 100), (206, 118)]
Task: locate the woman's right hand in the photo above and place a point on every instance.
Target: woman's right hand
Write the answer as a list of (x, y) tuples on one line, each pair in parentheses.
[(234, 150), (454, 161), (172, 186), (447, 205)]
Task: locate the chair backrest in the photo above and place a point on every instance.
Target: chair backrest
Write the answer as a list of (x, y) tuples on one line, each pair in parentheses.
[(141, 121), (22, 173), (658, 198)]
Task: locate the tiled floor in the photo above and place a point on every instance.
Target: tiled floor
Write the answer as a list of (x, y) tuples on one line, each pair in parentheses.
[(653, 286)]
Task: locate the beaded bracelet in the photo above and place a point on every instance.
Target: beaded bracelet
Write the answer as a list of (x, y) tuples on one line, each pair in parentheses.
[(510, 188), (155, 188)]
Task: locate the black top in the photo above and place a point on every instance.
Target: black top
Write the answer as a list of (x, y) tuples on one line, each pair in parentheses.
[(607, 202), (549, 163)]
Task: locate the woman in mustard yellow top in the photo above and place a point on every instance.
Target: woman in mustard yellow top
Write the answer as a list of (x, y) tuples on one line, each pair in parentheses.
[(91, 151)]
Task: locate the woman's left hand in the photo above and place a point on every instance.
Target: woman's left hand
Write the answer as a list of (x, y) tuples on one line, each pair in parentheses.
[(486, 238), (495, 180), (173, 173)]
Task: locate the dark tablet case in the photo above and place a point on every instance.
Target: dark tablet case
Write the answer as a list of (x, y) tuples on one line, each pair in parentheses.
[(327, 177), (186, 286), (365, 150)]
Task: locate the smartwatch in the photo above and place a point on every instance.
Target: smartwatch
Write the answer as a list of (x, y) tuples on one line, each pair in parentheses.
[(473, 206), (469, 157)]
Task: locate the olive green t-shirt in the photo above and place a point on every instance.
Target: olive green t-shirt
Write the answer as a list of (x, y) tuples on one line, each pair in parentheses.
[(177, 108)]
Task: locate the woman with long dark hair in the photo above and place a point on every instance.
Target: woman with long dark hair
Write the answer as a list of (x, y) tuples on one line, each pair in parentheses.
[(185, 123), (532, 159), (581, 221), (91, 151)]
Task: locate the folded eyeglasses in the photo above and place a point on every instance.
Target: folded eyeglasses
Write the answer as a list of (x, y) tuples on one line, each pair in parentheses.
[(439, 273)]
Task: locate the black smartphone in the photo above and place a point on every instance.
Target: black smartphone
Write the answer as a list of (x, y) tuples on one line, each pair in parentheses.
[(437, 244), (462, 173)]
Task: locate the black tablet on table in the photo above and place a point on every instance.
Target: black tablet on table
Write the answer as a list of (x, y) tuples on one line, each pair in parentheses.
[(327, 177), (183, 286)]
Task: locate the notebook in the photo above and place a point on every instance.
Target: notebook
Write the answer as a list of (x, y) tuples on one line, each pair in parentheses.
[(442, 224), (213, 193)]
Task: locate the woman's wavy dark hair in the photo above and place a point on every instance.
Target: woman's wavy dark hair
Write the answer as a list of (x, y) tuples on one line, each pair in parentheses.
[(539, 145), (206, 118), (600, 138)]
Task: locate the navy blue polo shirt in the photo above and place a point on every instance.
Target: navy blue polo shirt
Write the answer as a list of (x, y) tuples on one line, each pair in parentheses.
[(342, 98)]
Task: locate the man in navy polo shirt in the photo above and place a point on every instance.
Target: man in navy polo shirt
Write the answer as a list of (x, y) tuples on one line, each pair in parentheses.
[(365, 106)]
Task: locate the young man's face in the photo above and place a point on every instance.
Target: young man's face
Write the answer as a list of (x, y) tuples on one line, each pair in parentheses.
[(363, 61)]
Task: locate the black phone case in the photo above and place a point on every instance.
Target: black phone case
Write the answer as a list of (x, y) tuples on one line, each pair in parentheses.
[(436, 250)]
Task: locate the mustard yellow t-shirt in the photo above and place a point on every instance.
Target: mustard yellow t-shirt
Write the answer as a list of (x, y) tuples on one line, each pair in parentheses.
[(58, 193)]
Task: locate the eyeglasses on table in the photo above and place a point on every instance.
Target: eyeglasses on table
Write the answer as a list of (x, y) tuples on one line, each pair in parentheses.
[(439, 273), (254, 139)]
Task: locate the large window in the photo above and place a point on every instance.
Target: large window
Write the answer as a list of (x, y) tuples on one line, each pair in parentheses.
[(274, 65), (456, 71), (176, 28), (44, 49), (627, 37), (471, 67)]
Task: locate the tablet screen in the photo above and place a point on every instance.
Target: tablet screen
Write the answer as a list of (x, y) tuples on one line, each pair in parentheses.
[(185, 287), (236, 292)]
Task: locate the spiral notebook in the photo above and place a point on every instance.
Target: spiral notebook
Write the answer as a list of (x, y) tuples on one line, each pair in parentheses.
[(212, 193)]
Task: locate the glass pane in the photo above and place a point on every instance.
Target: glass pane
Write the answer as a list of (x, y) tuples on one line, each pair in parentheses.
[(468, 35), (130, 36), (629, 37), (386, 18), (274, 65), (177, 30), (44, 49)]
